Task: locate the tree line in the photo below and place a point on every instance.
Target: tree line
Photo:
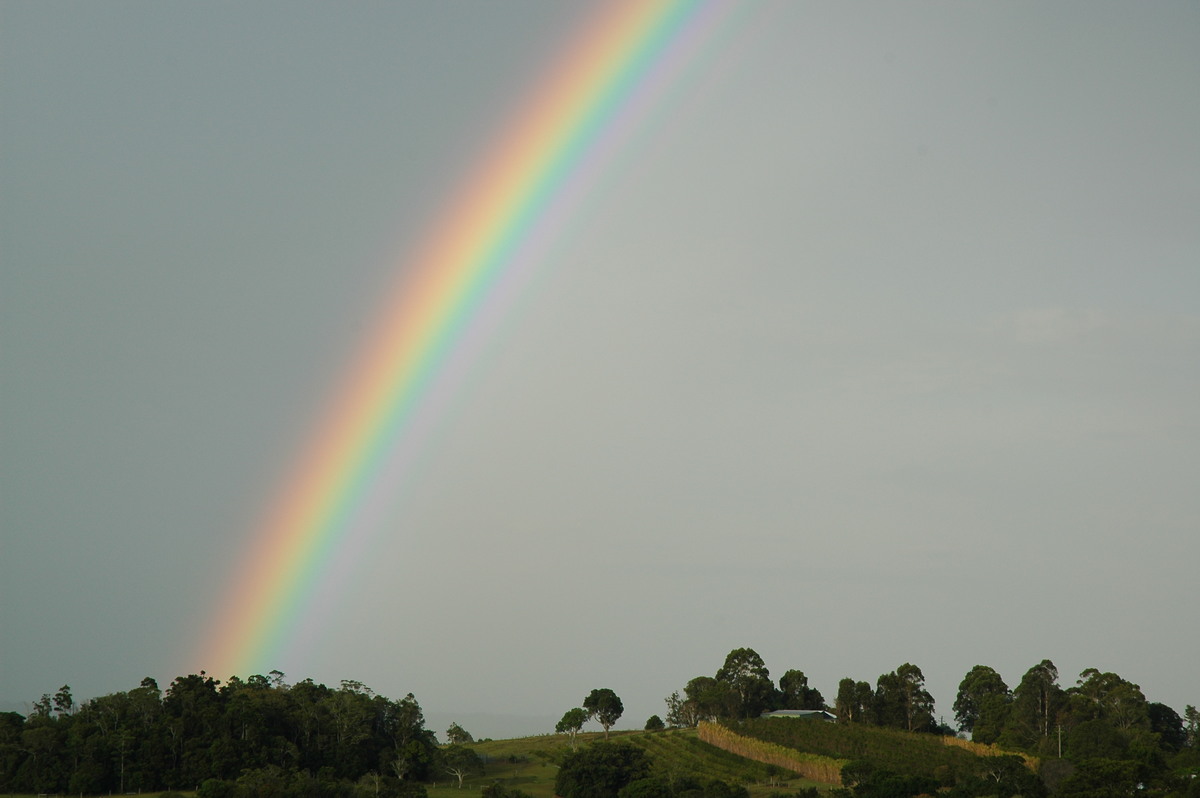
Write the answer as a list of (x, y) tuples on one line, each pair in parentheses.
[(260, 736), (1099, 732), (263, 736)]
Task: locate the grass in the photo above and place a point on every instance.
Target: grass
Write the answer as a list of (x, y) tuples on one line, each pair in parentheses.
[(527, 764)]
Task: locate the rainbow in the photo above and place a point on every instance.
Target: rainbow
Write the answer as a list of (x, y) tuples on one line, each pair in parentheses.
[(605, 82)]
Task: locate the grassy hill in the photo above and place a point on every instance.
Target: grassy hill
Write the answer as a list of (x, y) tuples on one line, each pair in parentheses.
[(906, 753), (528, 763)]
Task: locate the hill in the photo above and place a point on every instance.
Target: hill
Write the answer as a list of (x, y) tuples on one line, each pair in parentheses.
[(529, 764)]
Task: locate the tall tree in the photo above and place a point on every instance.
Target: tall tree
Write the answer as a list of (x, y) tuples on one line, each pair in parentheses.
[(1036, 702), (1106, 696), (746, 674), (605, 707), (979, 684), (855, 701), (901, 700)]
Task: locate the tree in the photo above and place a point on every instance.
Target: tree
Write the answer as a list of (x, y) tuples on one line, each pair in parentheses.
[(457, 735), (571, 723), (1191, 718), (605, 707), (993, 716), (1036, 701), (600, 770), (980, 683), (1166, 723), (901, 700), (1100, 778), (679, 713), (460, 761), (794, 692), (855, 701), (708, 697), (63, 703), (1106, 696), (746, 674), (1096, 739), (655, 723)]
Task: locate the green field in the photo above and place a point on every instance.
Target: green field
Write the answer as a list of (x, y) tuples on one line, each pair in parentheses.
[(527, 764)]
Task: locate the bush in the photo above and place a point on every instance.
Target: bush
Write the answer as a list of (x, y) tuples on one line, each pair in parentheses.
[(645, 788), (601, 770), (498, 790), (216, 788)]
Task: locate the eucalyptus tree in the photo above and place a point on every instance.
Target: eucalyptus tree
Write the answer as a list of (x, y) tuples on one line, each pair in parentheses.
[(901, 700), (747, 675), (571, 724), (855, 701), (979, 685), (1106, 696), (1036, 703), (457, 735)]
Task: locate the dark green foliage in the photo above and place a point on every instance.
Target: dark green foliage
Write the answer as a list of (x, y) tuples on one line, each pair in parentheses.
[(1095, 739), (1035, 706), (705, 788), (992, 718), (1166, 723), (1106, 696), (857, 771), (1100, 778), (901, 700), (601, 770), (855, 701), (795, 693), (605, 707), (979, 685), (645, 788), (1002, 777), (885, 784), (655, 723), (498, 790), (217, 788), (750, 689), (255, 736)]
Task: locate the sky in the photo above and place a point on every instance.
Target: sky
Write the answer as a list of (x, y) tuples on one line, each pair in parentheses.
[(876, 341)]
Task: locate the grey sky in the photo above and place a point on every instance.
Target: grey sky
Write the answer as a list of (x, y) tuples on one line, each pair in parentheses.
[(879, 343)]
